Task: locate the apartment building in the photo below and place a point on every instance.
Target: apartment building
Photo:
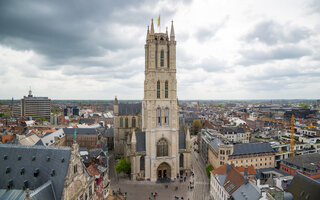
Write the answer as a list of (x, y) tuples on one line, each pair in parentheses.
[(258, 155), (36, 107)]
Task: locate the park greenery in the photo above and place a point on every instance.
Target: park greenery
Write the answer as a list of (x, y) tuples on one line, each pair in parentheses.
[(123, 165)]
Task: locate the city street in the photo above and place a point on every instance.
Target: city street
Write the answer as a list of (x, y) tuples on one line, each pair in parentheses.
[(201, 189)]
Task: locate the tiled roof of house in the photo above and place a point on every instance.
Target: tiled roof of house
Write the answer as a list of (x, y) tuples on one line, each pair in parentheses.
[(252, 148), (81, 131), (33, 167), (234, 183), (310, 161), (251, 169), (304, 187), (87, 121)]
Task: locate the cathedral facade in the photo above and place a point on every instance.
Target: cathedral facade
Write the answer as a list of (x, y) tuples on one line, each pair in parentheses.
[(157, 149)]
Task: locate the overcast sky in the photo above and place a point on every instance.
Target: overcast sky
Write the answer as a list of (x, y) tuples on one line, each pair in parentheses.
[(225, 49)]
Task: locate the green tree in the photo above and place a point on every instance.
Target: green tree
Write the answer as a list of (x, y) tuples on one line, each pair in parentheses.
[(304, 105), (209, 169), (196, 126), (123, 165)]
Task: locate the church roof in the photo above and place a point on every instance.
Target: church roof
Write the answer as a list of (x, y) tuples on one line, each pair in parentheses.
[(130, 108), (141, 141), (182, 139), (81, 131), (33, 167)]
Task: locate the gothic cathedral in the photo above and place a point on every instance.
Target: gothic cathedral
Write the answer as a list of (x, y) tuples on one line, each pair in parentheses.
[(157, 149)]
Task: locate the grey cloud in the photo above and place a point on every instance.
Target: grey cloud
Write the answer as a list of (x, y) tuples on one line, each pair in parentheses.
[(63, 31), (270, 33), (280, 53), (205, 34), (213, 65), (315, 6)]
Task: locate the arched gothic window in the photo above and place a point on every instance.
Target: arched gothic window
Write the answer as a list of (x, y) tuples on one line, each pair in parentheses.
[(126, 122), (166, 90), (141, 163), (181, 160), (166, 116), (133, 122), (121, 122), (158, 89), (162, 148), (162, 58), (158, 116)]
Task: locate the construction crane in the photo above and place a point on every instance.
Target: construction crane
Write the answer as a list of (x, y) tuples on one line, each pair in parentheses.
[(292, 130)]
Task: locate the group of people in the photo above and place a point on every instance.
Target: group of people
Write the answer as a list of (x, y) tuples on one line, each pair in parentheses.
[(153, 195)]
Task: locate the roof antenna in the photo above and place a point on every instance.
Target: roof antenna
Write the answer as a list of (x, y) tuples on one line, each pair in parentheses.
[(30, 92)]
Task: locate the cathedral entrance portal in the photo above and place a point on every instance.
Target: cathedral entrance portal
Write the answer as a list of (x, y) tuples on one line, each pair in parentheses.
[(164, 171)]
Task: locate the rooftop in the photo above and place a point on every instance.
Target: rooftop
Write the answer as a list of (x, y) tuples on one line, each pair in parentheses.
[(252, 148), (33, 166), (310, 161)]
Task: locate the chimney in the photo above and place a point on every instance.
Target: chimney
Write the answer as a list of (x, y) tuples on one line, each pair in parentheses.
[(246, 179), (229, 167)]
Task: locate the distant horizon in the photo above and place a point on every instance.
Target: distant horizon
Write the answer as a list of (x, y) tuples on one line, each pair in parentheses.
[(283, 99)]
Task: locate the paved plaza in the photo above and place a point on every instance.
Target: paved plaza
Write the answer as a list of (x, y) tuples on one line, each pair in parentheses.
[(141, 190), (137, 190)]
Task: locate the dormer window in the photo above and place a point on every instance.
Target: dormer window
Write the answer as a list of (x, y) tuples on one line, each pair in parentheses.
[(53, 172), (22, 171), (36, 172)]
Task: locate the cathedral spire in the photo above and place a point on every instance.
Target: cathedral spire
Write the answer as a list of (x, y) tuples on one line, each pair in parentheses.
[(148, 33), (152, 27), (172, 31)]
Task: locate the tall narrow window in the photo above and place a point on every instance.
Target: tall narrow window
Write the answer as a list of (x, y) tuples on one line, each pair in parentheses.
[(162, 58), (158, 89), (121, 122), (158, 116), (166, 116), (133, 122), (166, 89), (141, 163), (181, 160), (127, 122), (162, 147)]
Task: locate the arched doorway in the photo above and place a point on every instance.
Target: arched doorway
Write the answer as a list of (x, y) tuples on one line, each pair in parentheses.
[(164, 171)]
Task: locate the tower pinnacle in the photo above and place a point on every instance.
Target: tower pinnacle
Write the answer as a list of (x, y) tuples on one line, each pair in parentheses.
[(152, 27), (172, 31), (147, 34)]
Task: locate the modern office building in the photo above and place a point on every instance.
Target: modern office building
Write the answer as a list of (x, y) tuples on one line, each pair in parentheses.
[(36, 107)]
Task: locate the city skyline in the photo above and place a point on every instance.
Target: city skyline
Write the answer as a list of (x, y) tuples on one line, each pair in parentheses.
[(233, 50)]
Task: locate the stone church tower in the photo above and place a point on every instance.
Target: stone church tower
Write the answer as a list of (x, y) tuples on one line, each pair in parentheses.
[(153, 143), (160, 119)]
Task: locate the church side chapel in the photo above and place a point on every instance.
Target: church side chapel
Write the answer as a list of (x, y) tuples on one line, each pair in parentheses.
[(148, 133)]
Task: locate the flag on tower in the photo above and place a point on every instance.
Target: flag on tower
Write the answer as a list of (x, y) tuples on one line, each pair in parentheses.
[(159, 21)]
